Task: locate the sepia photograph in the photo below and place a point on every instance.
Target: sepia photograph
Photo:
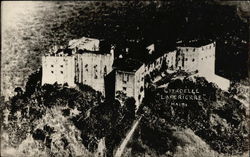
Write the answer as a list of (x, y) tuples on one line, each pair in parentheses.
[(125, 78)]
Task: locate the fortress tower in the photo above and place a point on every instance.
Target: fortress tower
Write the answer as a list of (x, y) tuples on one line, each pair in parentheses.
[(199, 59), (81, 62), (129, 79), (58, 67)]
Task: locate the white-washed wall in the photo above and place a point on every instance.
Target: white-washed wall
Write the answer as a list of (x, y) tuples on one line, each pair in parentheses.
[(201, 59), (124, 82), (60, 69), (131, 83), (92, 68), (139, 85)]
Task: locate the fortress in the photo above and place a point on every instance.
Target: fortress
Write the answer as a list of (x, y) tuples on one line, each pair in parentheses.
[(84, 62), (192, 58), (81, 62), (199, 59)]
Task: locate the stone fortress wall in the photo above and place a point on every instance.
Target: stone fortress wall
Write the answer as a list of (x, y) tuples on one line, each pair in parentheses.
[(91, 69), (87, 65), (58, 69), (200, 59), (88, 68)]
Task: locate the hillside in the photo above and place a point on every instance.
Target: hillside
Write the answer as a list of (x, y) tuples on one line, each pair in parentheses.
[(54, 120), (213, 126), (188, 144), (38, 122)]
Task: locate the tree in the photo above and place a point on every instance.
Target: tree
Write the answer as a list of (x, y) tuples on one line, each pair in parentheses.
[(130, 104), (33, 83), (214, 119), (19, 91)]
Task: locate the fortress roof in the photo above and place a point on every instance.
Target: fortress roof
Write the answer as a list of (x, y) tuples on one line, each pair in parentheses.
[(61, 52), (127, 64), (69, 52), (92, 52)]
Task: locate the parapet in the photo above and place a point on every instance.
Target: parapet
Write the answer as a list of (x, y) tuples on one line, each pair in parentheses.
[(59, 51), (81, 46), (192, 47)]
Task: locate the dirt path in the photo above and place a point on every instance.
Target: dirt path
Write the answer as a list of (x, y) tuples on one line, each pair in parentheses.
[(126, 139)]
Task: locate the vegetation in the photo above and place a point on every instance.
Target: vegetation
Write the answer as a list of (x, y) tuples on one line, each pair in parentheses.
[(38, 115), (64, 121), (56, 120), (218, 119)]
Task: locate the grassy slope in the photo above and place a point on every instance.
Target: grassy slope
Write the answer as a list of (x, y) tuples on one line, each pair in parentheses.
[(188, 144)]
